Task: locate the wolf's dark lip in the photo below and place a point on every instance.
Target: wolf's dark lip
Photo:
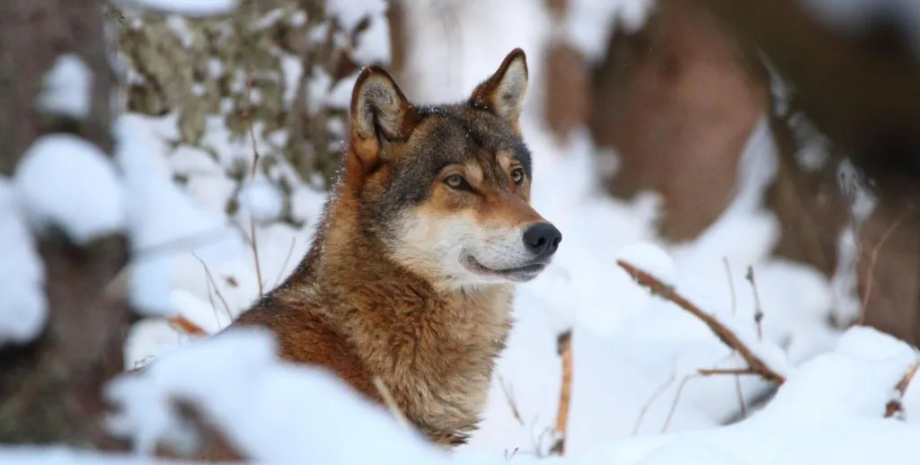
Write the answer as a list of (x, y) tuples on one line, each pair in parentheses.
[(523, 271)]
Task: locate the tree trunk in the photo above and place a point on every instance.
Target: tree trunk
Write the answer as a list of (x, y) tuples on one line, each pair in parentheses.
[(50, 390)]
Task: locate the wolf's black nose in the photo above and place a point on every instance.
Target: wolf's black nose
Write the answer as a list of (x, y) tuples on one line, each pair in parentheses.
[(542, 239)]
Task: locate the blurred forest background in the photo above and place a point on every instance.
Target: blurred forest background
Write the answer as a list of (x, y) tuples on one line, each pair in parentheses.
[(247, 110)]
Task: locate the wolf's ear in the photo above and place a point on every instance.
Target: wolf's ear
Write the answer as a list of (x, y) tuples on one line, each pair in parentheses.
[(380, 113), (503, 93)]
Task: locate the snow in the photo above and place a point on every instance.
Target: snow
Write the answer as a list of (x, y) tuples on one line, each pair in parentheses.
[(268, 408), (652, 259), (66, 182), (165, 223), (373, 45), (194, 8), (23, 307), (67, 87), (588, 22), (352, 12), (262, 200)]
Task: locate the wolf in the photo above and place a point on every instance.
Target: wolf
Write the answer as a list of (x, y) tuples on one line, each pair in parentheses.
[(411, 272)]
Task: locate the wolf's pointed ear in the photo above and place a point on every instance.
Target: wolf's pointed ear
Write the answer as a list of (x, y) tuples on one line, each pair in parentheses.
[(380, 113), (503, 93)]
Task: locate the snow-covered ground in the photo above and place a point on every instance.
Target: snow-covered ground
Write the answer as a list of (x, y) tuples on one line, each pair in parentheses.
[(636, 395)]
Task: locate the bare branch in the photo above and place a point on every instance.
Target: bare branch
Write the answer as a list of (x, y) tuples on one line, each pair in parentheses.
[(509, 397), (758, 310), (720, 330), (565, 393), (731, 285), (207, 272), (726, 371), (873, 256), (648, 404), (680, 390), (184, 325), (895, 406)]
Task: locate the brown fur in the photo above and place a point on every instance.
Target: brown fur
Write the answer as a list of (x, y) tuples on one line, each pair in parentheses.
[(358, 307)]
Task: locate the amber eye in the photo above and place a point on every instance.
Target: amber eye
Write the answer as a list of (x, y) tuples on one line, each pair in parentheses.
[(455, 181), (517, 175)]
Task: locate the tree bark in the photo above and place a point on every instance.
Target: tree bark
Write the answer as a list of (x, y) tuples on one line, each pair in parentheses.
[(50, 390)]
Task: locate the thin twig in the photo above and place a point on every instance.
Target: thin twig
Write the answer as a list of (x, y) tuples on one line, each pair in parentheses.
[(741, 404), (651, 400), (720, 330), (680, 390), (287, 258), (895, 406), (210, 277), (726, 371), (873, 256), (565, 393), (509, 397), (255, 163), (758, 310), (186, 326), (390, 402), (255, 254), (731, 284)]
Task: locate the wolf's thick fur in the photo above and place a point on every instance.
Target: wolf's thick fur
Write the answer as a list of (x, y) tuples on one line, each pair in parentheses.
[(410, 276)]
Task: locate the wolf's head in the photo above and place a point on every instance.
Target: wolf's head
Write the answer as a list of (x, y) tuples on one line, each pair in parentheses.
[(446, 188)]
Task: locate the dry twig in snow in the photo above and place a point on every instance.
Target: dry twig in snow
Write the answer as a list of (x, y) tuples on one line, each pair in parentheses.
[(755, 364), (758, 310), (255, 163), (565, 394), (213, 283), (186, 326), (648, 404), (873, 256), (509, 397), (894, 406)]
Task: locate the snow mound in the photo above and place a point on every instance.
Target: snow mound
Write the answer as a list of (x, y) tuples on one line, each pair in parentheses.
[(24, 307), (66, 182)]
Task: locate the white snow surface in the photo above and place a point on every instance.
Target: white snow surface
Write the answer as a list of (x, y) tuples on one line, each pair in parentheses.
[(23, 306), (66, 88), (352, 12), (66, 182)]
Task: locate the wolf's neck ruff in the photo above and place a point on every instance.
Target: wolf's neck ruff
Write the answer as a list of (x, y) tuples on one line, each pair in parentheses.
[(434, 350)]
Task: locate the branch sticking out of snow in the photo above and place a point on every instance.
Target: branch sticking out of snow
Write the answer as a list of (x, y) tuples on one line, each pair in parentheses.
[(725, 334), (194, 8), (66, 182)]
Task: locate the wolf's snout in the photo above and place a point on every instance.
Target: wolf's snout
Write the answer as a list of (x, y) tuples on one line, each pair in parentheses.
[(542, 239)]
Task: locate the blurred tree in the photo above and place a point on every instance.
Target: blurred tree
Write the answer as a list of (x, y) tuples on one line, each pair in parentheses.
[(861, 89), (283, 66), (50, 390)]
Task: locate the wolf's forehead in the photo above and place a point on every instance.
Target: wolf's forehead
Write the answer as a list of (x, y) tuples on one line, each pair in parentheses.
[(462, 135)]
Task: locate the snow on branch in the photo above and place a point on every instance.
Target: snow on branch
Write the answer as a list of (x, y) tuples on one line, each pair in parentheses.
[(196, 8), (730, 337), (66, 182)]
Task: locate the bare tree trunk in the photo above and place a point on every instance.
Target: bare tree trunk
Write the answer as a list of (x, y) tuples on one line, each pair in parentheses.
[(50, 389)]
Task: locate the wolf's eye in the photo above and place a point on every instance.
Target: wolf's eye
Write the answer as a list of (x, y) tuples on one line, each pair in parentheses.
[(517, 175), (455, 181)]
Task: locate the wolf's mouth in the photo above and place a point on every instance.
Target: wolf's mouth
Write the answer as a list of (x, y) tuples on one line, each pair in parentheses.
[(523, 273)]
